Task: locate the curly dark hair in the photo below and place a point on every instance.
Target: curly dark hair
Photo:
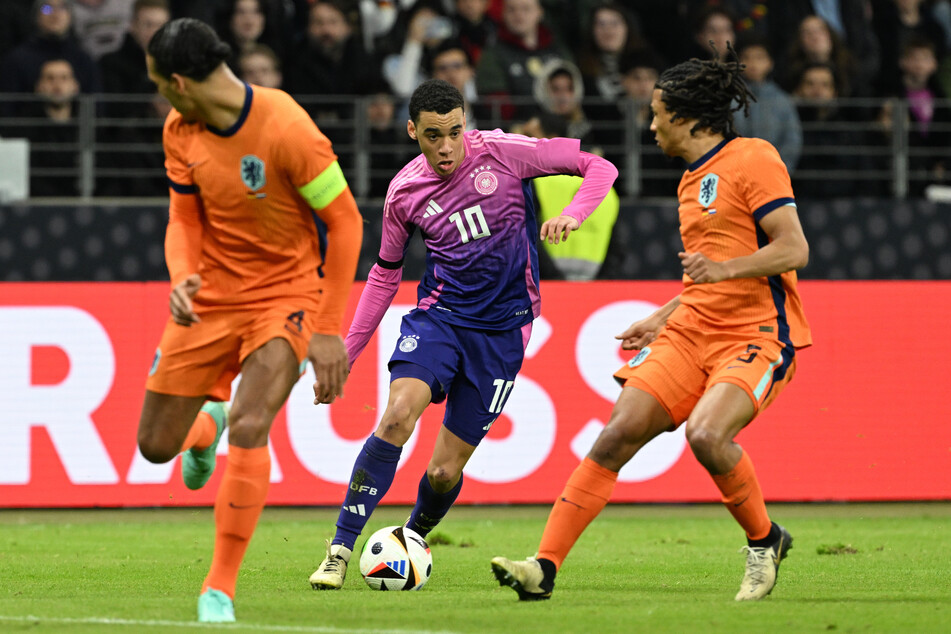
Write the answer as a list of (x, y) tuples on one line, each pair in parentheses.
[(709, 91), (434, 95), (188, 47)]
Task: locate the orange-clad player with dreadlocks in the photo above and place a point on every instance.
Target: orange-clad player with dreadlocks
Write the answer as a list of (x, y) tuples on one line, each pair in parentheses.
[(716, 355)]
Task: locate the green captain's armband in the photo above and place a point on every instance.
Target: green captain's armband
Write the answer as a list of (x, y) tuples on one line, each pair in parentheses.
[(321, 191)]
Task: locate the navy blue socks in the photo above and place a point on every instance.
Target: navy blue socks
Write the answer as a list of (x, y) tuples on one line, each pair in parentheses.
[(372, 476), (431, 506)]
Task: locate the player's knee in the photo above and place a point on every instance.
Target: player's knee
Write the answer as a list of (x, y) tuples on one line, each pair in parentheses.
[(397, 424), (248, 430), (441, 478), (615, 446), (156, 448), (705, 441)]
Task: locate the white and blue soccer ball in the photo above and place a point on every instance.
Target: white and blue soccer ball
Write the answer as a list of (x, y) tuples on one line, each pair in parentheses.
[(396, 558)]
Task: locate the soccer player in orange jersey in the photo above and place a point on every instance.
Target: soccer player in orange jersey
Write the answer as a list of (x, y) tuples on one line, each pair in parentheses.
[(259, 284), (716, 355)]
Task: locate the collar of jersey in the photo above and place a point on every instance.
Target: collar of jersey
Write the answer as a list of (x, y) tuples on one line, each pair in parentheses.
[(709, 155), (245, 109)]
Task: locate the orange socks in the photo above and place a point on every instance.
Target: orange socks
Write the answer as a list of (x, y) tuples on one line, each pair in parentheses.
[(237, 509), (743, 498), (202, 432), (586, 493)]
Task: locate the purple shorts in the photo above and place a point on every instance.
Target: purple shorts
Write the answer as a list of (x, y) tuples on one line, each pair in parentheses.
[(473, 370)]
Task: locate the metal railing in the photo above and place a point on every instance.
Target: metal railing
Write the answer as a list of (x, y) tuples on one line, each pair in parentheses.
[(111, 147)]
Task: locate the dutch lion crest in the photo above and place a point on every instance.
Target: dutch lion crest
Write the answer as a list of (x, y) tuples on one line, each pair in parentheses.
[(252, 172)]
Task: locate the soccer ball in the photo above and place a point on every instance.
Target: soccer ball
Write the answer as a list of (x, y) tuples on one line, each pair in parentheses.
[(396, 558)]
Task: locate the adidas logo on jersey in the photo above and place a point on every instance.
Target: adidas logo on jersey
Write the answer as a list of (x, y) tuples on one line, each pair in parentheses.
[(432, 209), (356, 509)]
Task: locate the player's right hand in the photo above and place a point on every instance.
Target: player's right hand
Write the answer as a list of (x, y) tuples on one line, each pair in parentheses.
[(180, 300), (328, 355), (639, 334)]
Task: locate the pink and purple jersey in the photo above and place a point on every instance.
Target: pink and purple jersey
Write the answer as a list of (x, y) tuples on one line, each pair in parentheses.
[(479, 227)]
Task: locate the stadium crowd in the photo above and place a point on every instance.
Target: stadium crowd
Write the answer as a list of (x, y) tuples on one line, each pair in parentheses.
[(579, 63)]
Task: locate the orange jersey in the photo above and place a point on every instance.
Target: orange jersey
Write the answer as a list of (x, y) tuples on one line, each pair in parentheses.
[(259, 183), (722, 198)]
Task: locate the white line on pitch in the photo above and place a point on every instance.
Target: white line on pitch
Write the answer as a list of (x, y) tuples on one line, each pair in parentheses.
[(194, 624)]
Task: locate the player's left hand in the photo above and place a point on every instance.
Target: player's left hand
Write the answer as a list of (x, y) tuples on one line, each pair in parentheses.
[(328, 355), (558, 228), (703, 270)]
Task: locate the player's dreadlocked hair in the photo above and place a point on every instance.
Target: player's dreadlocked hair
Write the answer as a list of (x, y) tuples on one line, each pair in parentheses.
[(709, 91)]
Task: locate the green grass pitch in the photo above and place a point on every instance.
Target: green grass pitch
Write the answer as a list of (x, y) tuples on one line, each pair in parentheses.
[(638, 568)]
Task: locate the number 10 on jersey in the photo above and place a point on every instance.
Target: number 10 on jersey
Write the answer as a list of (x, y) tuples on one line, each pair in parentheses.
[(477, 226)]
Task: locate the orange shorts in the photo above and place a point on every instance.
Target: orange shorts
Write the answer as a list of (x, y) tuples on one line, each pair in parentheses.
[(203, 359), (683, 362)]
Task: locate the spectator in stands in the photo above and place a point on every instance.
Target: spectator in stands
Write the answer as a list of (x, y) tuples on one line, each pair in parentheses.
[(851, 23), (773, 115), (57, 89), (377, 19), (581, 257), (139, 172), (332, 66), (612, 33), (100, 25), (247, 25), (259, 65), (817, 43), (751, 18), (929, 118), (506, 72), (832, 155), (712, 29), (559, 90), (426, 29), (331, 61), (392, 146), (451, 62), (639, 74), (896, 23), (474, 27), (124, 71), (52, 39)]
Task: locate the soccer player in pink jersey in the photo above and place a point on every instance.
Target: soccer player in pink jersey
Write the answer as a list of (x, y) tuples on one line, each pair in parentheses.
[(469, 195)]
